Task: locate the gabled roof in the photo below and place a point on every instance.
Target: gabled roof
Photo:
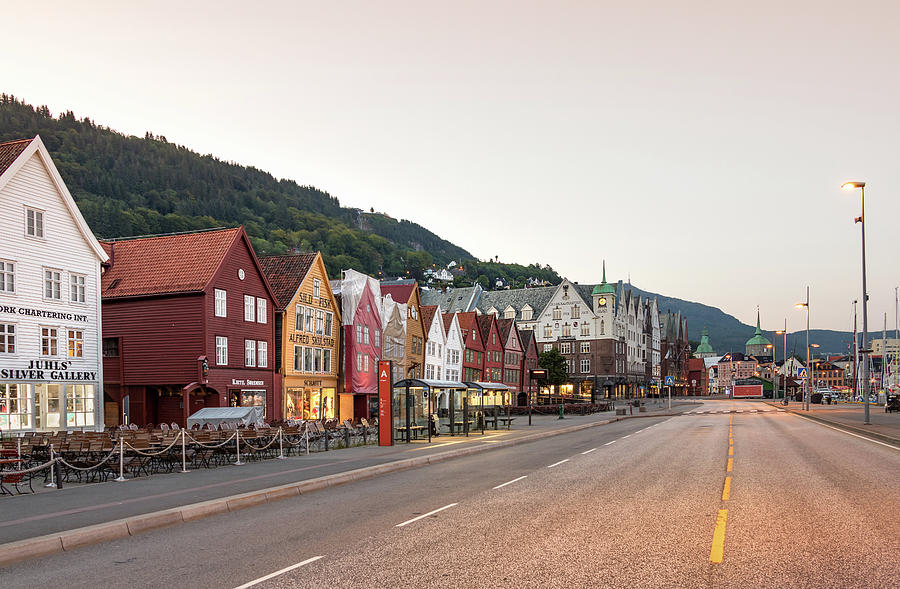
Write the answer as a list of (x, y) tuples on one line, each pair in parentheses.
[(399, 292), (10, 151), (484, 325), (467, 321), (427, 312), (448, 321), (167, 264), (504, 326), (454, 299), (526, 337), (286, 274), (14, 155)]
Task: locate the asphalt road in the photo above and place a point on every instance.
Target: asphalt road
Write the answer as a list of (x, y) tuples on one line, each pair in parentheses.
[(639, 503)]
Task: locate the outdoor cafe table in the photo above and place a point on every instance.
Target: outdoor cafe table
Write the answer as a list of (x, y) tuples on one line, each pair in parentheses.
[(506, 420)]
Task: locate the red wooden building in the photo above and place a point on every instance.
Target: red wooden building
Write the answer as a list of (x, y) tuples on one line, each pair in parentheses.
[(529, 387), (512, 355), (493, 348), (473, 353), (188, 322)]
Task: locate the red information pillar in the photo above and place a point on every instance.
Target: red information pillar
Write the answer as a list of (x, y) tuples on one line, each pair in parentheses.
[(384, 403)]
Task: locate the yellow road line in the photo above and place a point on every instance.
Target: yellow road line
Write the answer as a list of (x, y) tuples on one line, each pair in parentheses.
[(726, 490), (731, 450), (730, 465), (718, 544)]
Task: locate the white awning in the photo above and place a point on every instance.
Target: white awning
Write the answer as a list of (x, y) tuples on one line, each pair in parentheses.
[(230, 415)]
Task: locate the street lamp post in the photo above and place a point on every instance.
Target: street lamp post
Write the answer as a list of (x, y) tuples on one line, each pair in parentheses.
[(808, 375), (865, 297), (784, 333)]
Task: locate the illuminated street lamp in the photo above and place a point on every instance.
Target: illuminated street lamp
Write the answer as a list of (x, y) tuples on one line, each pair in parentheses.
[(806, 388), (865, 297)]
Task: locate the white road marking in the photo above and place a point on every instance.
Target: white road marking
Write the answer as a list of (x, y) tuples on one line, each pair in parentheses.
[(588, 451), (415, 519), (608, 443), (628, 436), (558, 463), (511, 482), (837, 429), (281, 572)]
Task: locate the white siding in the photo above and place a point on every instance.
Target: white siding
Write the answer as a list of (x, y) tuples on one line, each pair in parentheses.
[(62, 248)]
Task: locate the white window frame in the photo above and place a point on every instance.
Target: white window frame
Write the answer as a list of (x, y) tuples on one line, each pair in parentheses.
[(565, 348), (8, 276), (320, 322), (548, 347), (77, 288), (38, 223), (585, 347), (249, 308), (262, 354), (366, 336), (250, 353), (221, 302), (585, 365), (52, 338), (50, 281), (298, 358), (317, 287), (221, 350), (261, 307), (326, 360), (329, 323), (8, 338), (299, 318), (75, 338)]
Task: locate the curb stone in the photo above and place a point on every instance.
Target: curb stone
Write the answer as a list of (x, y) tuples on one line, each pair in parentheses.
[(39, 546), (840, 425)]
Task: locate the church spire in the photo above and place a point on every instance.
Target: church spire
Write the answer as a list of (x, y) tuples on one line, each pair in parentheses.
[(604, 271), (758, 330)]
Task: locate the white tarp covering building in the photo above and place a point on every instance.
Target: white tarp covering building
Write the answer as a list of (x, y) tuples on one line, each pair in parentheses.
[(232, 416)]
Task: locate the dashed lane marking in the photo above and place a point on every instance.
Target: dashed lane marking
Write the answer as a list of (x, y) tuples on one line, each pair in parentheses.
[(588, 451), (558, 463), (608, 443), (277, 573), (424, 515), (510, 482), (726, 490), (718, 545)]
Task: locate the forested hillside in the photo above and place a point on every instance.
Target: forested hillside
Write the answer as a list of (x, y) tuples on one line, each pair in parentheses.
[(128, 186)]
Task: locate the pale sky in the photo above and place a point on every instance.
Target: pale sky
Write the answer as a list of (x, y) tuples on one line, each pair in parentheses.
[(698, 146)]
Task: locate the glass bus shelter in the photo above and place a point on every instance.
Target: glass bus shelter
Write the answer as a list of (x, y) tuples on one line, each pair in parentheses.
[(487, 402), (422, 408)]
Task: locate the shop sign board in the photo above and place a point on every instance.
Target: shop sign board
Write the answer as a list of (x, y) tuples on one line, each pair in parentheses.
[(384, 403)]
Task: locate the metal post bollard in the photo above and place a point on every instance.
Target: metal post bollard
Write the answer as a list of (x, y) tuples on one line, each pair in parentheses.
[(183, 453), (306, 435), (237, 442), (529, 413), (52, 483), (561, 411), (325, 429), (280, 444), (121, 477), (346, 438)]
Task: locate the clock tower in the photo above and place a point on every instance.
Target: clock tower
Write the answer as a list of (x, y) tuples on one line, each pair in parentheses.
[(604, 299)]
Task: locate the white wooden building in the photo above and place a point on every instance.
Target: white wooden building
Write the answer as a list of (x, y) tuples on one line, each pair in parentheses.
[(50, 263)]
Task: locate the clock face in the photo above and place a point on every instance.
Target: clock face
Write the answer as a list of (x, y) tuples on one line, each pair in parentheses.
[(602, 301)]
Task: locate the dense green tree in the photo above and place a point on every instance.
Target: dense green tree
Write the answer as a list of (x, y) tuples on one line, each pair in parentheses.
[(555, 365)]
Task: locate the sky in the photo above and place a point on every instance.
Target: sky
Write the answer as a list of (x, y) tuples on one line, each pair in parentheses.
[(698, 147)]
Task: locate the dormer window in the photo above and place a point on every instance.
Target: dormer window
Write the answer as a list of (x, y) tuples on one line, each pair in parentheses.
[(527, 313)]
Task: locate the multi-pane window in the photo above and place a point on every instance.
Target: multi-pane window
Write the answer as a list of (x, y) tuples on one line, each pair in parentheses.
[(221, 350), (34, 222), (7, 276), (557, 314), (320, 322), (14, 412), (221, 300), (79, 405), (308, 360), (76, 343), (359, 358), (359, 332), (49, 341), (585, 365), (7, 338), (326, 361), (76, 288), (377, 338), (52, 284), (548, 331), (249, 308), (576, 312), (329, 319), (509, 313), (298, 319), (317, 357), (585, 347), (298, 358), (366, 334), (310, 320), (249, 352), (585, 329), (110, 347), (567, 330), (260, 310), (548, 347), (262, 354), (317, 287), (366, 363), (565, 348)]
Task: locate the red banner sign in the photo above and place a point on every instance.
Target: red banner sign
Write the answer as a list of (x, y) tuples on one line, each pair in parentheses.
[(744, 391), (384, 403)]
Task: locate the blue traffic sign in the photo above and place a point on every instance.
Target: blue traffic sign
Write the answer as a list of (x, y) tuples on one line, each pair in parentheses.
[(670, 380), (802, 373)]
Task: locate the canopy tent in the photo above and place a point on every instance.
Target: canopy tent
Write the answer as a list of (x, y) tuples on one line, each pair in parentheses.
[(234, 416)]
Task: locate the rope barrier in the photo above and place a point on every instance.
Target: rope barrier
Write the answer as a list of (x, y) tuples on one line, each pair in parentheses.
[(219, 445), (32, 469), (163, 451), (86, 469)]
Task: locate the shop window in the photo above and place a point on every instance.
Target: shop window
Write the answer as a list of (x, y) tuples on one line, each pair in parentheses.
[(14, 412), (7, 338), (76, 343), (221, 306), (7, 276), (79, 405), (254, 399)]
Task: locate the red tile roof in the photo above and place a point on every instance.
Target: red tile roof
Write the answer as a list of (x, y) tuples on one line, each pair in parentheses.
[(286, 274), (427, 312), (466, 320), (448, 321), (484, 325), (399, 292), (504, 325), (168, 264), (10, 151)]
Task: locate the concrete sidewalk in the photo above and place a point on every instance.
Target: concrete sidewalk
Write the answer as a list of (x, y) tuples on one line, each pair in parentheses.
[(849, 416), (42, 523)]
